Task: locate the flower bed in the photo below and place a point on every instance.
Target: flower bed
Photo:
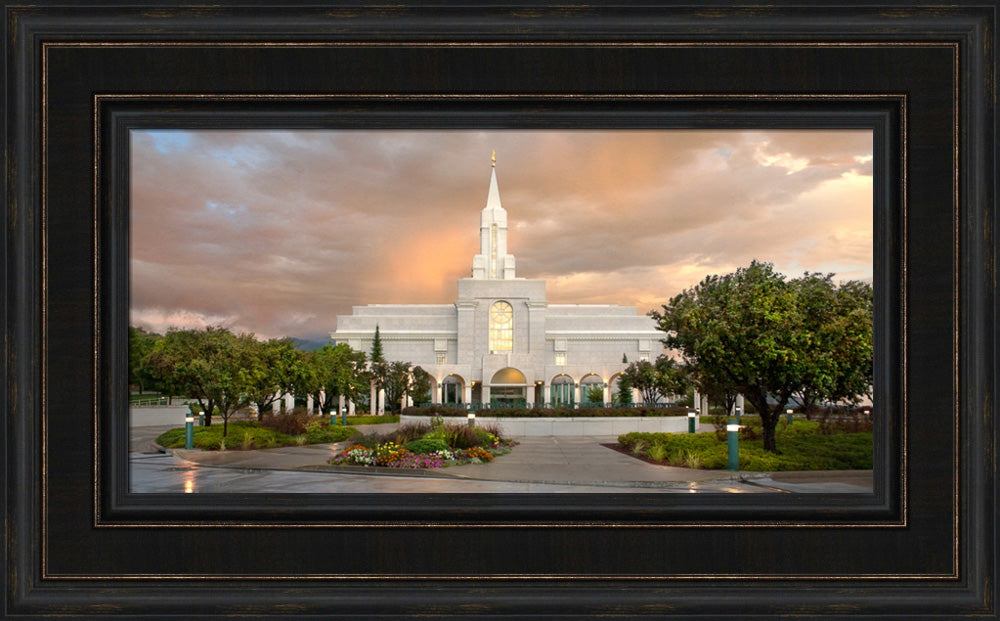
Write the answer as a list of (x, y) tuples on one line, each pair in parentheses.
[(426, 445)]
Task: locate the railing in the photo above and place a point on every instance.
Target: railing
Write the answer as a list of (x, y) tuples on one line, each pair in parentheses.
[(152, 401)]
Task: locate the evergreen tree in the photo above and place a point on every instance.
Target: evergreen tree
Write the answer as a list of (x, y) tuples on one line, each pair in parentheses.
[(624, 390), (377, 356)]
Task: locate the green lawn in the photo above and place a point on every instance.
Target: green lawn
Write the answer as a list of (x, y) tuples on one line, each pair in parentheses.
[(371, 420), (249, 435), (800, 447)]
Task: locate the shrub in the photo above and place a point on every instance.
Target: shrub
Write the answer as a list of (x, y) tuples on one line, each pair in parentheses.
[(426, 445), (328, 434), (291, 423), (460, 436), (802, 448), (409, 432)]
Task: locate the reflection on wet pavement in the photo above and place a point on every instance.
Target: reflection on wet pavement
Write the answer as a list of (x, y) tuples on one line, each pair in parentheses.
[(162, 473)]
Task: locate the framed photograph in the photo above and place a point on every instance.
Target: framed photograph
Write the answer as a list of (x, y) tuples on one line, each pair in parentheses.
[(600, 228), (119, 115)]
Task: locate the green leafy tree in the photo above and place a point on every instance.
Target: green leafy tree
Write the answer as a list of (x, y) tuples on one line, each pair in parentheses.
[(271, 372), (642, 377), (839, 318), (140, 345), (421, 387), (747, 331), (672, 377), (658, 380), (209, 365), (339, 370), (400, 380)]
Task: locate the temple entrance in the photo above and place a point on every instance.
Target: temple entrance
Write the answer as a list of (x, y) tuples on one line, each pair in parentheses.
[(507, 396), (508, 388), (451, 390)]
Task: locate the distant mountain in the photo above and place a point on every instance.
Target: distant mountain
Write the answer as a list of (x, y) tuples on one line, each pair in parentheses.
[(309, 344)]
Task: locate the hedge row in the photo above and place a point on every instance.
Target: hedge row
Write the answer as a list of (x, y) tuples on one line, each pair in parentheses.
[(513, 412)]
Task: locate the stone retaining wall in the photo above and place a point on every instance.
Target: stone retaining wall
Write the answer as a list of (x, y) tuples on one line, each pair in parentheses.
[(571, 425)]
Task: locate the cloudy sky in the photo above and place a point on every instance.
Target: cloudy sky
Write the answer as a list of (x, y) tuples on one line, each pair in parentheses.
[(277, 233)]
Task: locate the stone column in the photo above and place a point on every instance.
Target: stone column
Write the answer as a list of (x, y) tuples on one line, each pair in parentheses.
[(704, 405), (607, 393), (546, 392), (309, 404), (373, 401), (529, 395), (381, 401), (289, 403), (697, 400), (739, 403), (576, 395), (340, 405), (486, 395), (276, 406), (467, 394), (322, 399), (350, 408)]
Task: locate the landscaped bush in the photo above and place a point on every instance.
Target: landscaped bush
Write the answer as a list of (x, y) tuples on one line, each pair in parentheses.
[(437, 445), (251, 435), (801, 446), (538, 412), (290, 423), (427, 445)]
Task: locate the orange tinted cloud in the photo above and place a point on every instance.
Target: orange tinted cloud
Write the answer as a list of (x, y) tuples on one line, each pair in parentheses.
[(279, 232)]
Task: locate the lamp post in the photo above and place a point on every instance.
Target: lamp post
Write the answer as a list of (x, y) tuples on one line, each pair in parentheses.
[(189, 431), (201, 418), (472, 419), (732, 441), (691, 420), (788, 415)]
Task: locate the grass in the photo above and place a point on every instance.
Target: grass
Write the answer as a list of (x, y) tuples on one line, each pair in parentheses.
[(801, 446), (371, 420), (249, 435)]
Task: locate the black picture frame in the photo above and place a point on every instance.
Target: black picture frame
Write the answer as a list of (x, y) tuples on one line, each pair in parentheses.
[(79, 77)]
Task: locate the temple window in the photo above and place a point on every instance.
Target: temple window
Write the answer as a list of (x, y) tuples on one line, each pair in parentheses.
[(501, 327)]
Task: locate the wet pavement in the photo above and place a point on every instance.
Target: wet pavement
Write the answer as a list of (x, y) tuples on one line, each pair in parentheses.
[(548, 464)]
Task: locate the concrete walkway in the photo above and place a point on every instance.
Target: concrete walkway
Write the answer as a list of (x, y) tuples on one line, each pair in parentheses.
[(548, 460)]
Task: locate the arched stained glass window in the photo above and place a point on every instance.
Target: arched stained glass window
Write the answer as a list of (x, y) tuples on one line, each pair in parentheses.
[(501, 327)]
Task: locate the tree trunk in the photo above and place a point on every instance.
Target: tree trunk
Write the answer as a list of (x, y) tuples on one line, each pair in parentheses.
[(768, 416), (768, 423)]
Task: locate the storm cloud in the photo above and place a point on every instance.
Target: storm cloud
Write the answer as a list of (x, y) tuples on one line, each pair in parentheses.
[(277, 233)]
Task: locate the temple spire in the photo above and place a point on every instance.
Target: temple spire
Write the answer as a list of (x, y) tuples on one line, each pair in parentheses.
[(493, 198), (493, 262)]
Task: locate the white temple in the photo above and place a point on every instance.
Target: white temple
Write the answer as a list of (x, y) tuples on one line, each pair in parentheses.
[(501, 342)]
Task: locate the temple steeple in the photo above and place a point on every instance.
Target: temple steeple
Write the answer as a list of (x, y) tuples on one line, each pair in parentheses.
[(493, 262)]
